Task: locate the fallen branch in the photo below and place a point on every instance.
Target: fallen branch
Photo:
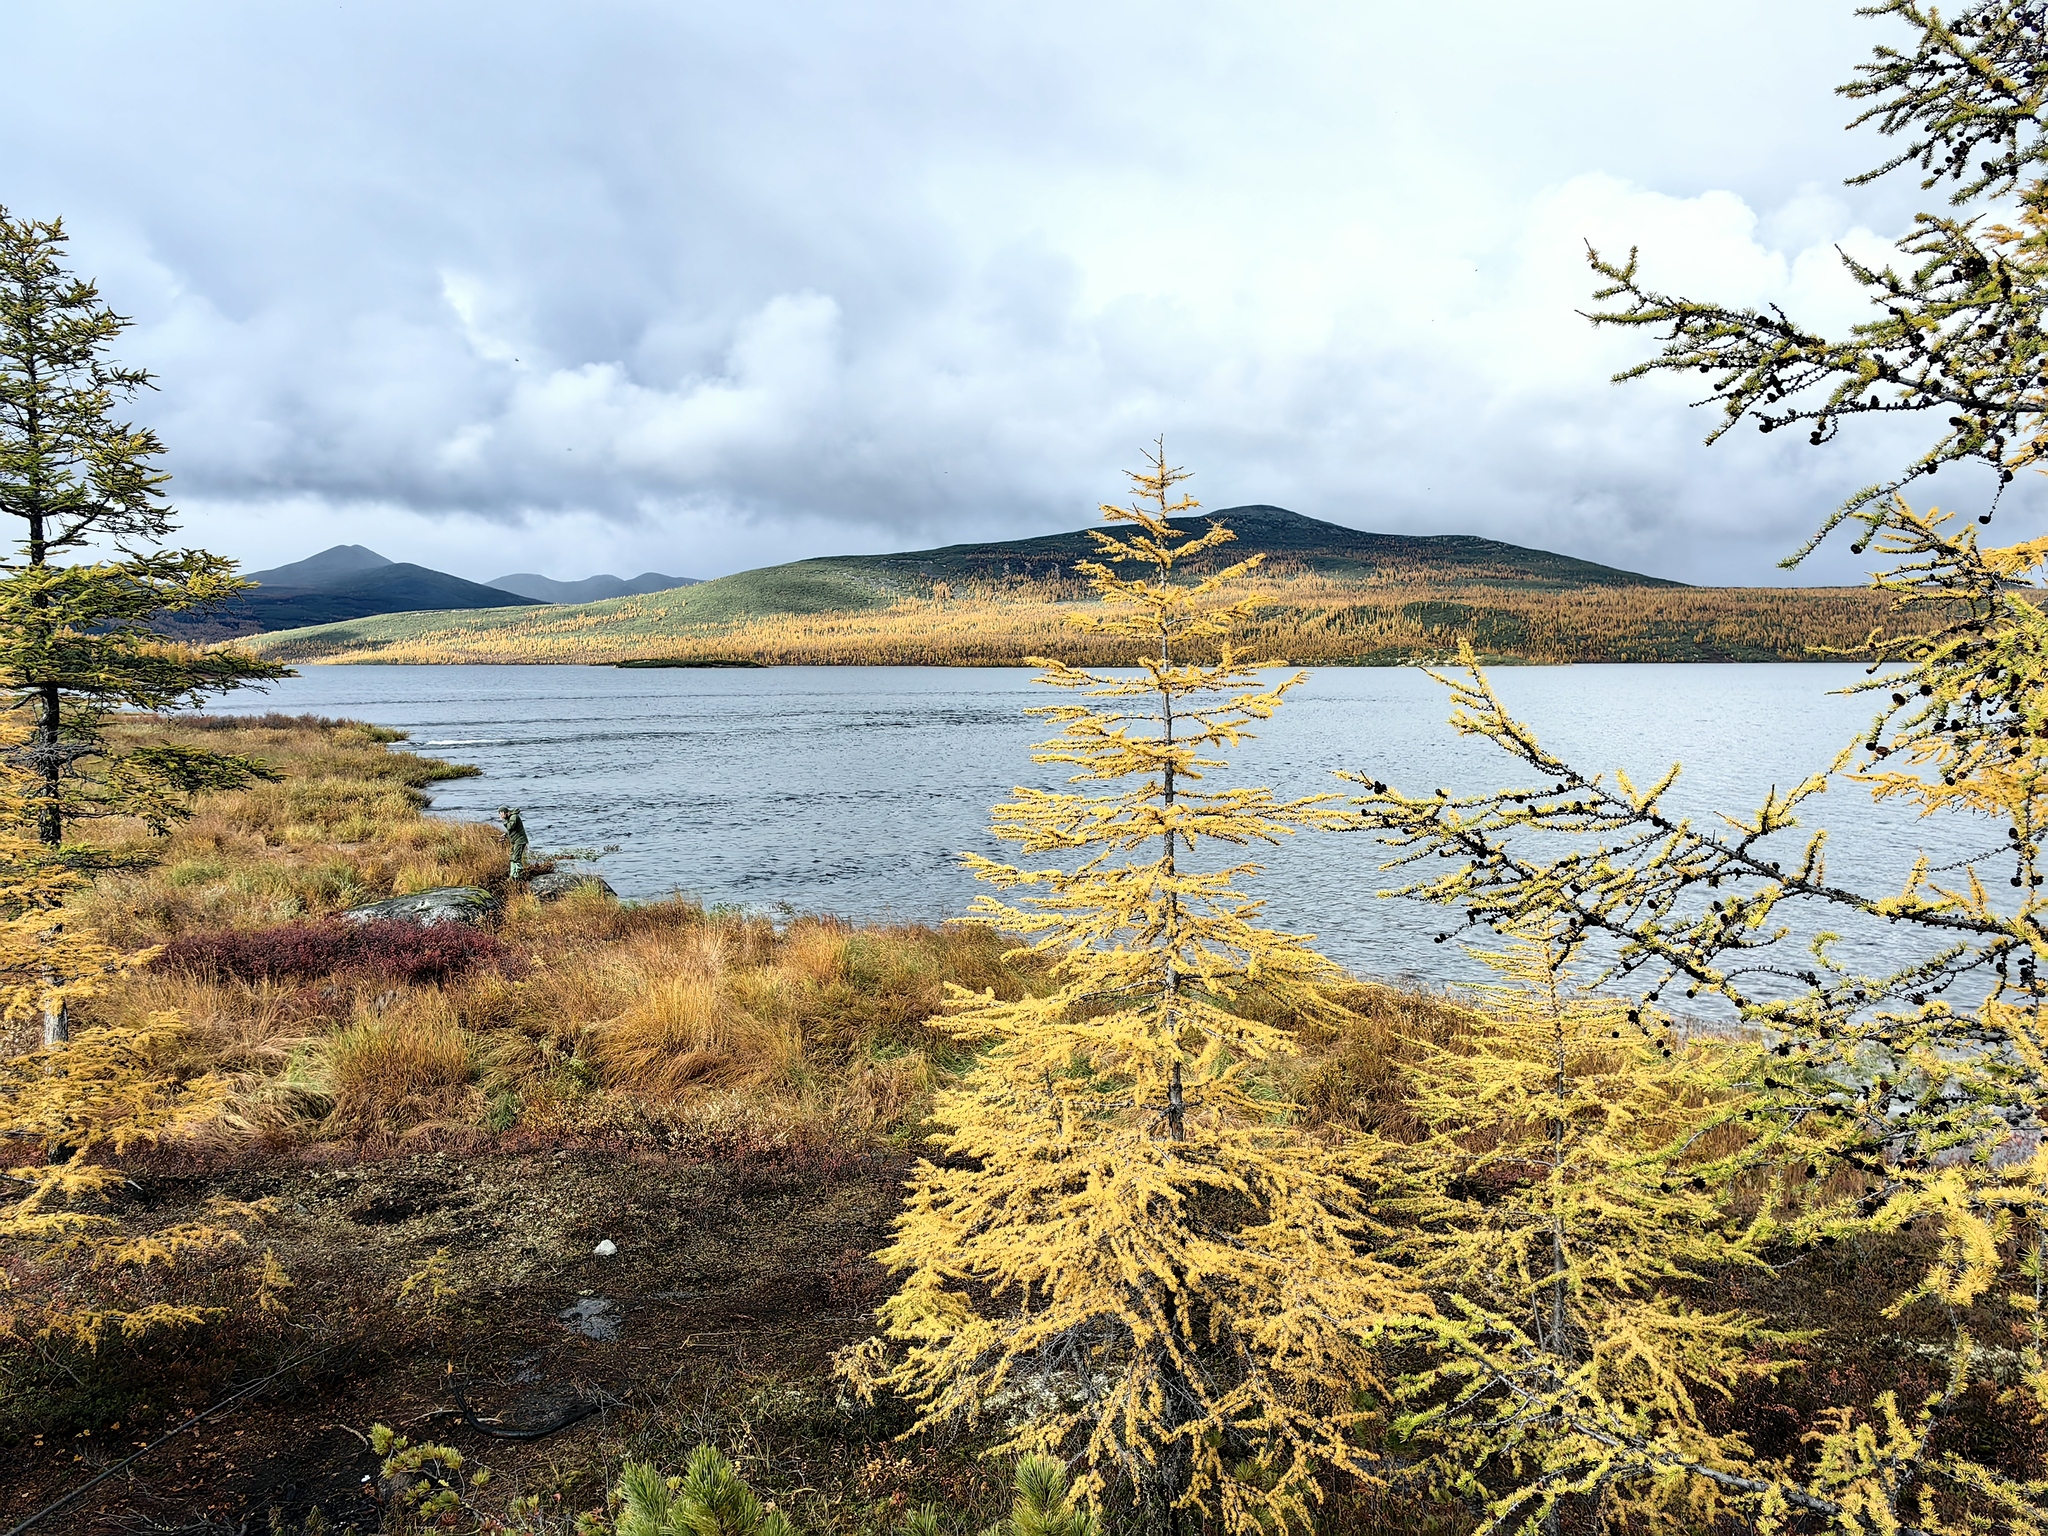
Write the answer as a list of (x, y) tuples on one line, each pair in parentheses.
[(575, 1415)]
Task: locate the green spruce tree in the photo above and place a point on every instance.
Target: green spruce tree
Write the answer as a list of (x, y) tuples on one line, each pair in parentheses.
[(82, 599)]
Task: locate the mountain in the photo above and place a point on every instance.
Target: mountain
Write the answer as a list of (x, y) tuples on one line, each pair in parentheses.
[(1287, 539), (393, 587), (592, 589), (330, 565), (1327, 595), (1291, 543), (345, 582)]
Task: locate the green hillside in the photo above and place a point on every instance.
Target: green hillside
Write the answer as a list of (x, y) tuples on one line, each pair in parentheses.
[(759, 613), (802, 587), (848, 584), (1327, 549)]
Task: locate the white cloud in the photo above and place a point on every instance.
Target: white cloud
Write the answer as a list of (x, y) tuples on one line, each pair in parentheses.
[(694, 290)]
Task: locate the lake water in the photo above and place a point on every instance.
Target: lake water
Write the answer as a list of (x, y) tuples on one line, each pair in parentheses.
[(854, 790)]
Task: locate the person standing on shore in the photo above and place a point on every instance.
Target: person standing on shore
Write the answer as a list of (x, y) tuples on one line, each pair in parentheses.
[(515, 834)]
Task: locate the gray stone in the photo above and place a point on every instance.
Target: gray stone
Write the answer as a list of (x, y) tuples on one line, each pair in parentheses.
[(450, 904), (556, 884)]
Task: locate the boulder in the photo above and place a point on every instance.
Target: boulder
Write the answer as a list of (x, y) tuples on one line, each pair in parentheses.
[(450, 904), (557, 883)]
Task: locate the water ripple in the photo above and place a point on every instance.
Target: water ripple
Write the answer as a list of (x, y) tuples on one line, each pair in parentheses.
[(854, 790)]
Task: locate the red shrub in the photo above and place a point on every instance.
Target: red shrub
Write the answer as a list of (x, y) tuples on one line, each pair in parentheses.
[(300, 951)]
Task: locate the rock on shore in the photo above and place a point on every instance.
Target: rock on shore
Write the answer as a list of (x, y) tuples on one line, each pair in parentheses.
[(450, 904)]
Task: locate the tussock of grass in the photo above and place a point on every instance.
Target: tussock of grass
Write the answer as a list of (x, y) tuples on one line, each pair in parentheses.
[(1356, 1074), (403, 1064), (688, 1029)]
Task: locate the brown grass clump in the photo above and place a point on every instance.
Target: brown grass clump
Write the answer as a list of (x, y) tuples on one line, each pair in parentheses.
[(245, 1029), (1356, 1075), (815, 949), (405, 1064), (690, 1029)]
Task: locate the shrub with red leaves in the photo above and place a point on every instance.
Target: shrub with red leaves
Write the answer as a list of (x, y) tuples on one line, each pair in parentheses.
[(301, 951)]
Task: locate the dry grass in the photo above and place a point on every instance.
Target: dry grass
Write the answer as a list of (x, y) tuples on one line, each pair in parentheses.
[(655, 1018), (1356, 1074), (401, 1062), (341, 827)]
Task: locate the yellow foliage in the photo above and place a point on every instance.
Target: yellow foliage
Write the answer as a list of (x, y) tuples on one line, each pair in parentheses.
[(1129, 1254), (430, 1285), (1556, 1210), (82, 1103), (1901, 1084), (1934, 1105), (1314, 619), (86, 1101)]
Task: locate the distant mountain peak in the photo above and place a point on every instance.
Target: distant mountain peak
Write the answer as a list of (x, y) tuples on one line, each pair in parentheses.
[(323, 569), (591, 589), (345, 582)]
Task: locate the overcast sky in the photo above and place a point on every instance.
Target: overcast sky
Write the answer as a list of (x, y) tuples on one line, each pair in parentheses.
[(693, 288)]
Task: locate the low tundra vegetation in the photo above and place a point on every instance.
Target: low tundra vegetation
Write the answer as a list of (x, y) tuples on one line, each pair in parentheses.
[(583, 1015), (263, 1033)]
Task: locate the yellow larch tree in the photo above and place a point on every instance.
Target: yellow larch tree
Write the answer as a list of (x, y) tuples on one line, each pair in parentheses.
[(1906, 1080), (1560, 1204), (1125, 1254), (69, 1110)]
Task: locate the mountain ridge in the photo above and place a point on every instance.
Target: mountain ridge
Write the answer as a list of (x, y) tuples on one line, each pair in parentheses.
[(1325, 547), (1326, 594), (394, 587), (591, 589), (352, 581)]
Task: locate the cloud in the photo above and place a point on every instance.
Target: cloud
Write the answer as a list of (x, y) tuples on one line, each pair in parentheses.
[(640, 286)]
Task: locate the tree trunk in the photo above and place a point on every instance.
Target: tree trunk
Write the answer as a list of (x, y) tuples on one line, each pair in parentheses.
[(50, 813), (56, 1022), (49, 707)]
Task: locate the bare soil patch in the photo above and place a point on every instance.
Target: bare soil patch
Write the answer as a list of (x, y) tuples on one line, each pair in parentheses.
[(733, 1284)]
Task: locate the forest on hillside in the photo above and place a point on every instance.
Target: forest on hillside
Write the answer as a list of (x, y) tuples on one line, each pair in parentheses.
[(1304, 619)]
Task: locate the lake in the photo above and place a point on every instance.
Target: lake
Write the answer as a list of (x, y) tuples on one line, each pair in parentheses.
[(854, 790)]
